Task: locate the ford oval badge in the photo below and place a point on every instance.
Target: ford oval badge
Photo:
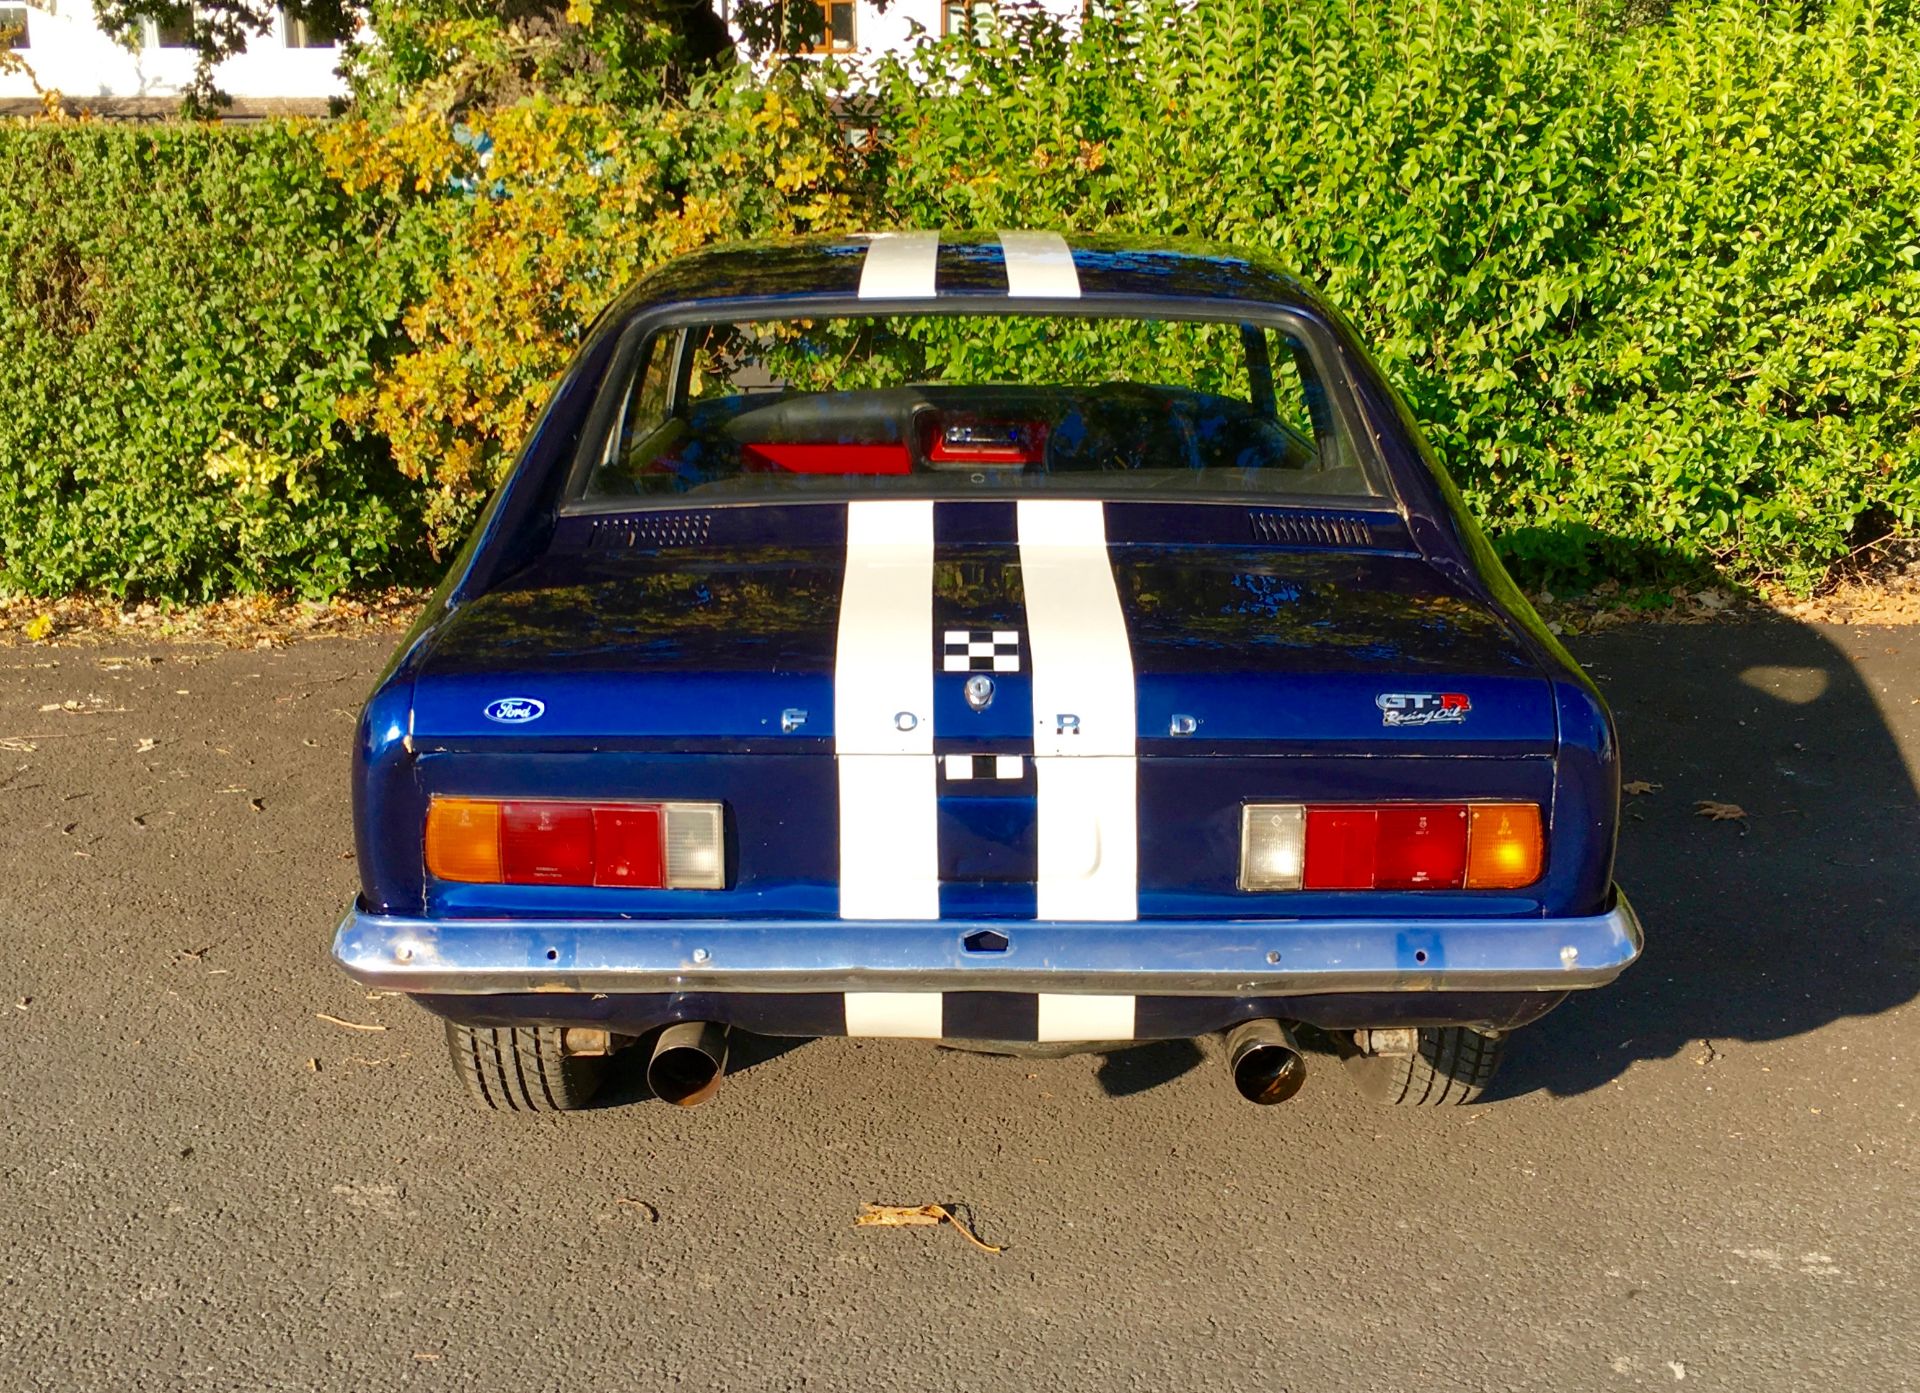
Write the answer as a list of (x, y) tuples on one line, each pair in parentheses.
[(515, 711)]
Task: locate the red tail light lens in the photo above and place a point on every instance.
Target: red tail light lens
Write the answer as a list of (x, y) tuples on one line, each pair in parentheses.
[(1422, 846), (658, 846), (1402, 846), (629, 847), (546, 844), (1342, 847)]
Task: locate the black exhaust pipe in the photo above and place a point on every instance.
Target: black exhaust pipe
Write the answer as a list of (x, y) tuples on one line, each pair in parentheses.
[(1266, 1064), (689, 1060)]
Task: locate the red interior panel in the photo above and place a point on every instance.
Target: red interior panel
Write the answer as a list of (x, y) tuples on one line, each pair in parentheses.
[(830, 459)]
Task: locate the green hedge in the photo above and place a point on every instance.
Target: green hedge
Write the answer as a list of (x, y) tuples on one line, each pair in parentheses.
[(1653, 294), (181, 310), (1653, 288)]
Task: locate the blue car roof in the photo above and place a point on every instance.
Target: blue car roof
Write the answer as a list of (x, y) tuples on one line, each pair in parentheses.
[(973, 266)]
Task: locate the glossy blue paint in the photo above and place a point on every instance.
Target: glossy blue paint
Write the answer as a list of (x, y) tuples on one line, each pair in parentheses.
[(665, 644)]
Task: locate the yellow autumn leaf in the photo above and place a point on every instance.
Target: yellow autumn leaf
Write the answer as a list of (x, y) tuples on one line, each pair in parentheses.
[(893, 1216), (1719, 812), (39, 627)]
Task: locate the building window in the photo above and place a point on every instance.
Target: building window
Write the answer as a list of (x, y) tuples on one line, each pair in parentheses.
[(819, 26), (13, 24), (305, 33), (175, 31), (974, 18)]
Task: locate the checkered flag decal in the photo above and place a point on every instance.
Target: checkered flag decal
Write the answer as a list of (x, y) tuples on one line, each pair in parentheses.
[(982, 650), (995, 767)]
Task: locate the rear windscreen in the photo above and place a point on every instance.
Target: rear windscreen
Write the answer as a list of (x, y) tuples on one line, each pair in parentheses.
[(923, 404)]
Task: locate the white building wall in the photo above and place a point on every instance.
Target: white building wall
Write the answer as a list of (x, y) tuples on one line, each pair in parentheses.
[(892, 30), (69, 55)]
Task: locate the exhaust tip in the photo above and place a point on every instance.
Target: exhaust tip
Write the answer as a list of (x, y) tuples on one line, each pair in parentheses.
[(1266, 1064), (689, 1060)]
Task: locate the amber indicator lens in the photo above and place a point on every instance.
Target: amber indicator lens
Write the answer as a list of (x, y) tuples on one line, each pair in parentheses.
[(1504, 846), (463, 840), (656, 846), (1390, 846)]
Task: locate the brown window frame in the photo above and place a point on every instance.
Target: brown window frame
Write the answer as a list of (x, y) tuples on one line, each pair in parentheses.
[(827, 9), (174, 34), (970, 12), (297, 35)]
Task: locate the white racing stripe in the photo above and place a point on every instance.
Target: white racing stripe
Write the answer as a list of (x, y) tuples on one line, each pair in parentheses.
[(899, 1015), (1083, 711), (900, 266), (1039, 266), (1085, 1017), (883, 715)]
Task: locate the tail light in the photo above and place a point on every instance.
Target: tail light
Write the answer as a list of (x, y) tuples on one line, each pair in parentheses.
[(658, 846), (1390, 846), (1004, 443)]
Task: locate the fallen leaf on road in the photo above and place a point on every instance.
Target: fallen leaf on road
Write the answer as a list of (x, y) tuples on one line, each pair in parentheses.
[(38, 627), (313, 1066), (652, 1211), (1719, 812), (423, 1355), (92, 706), (144, 746), (893, 1216), (350, 1025), (23, 1003), (17, 745), (259, 805), (1639, 788)]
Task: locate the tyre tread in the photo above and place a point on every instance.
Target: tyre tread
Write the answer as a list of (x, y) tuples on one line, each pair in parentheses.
[(522, 1068), (1451, 1066)]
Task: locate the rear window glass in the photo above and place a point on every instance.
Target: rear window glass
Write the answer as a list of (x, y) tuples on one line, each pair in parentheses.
[(922, 404)]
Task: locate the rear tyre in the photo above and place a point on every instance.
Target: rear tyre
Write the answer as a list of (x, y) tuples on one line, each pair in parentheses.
[(1452, 1064), (523, 1069)]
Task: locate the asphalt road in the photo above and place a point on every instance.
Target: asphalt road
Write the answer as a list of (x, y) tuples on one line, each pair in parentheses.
[(1706, 1175)]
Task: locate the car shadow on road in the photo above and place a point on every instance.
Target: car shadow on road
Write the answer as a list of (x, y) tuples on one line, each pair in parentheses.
[(1791, 909), (1123, 1073)]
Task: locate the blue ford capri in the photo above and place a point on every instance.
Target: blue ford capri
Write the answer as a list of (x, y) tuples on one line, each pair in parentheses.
[(1023, 644)]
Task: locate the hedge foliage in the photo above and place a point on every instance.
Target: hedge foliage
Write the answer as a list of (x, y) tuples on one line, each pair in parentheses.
[(1654, 296), (181, 312), (1652, 287), (577, 204)]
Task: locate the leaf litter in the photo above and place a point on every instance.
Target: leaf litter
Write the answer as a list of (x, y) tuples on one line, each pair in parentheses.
[(1718, 811), (349, 1025), (894, 1216)]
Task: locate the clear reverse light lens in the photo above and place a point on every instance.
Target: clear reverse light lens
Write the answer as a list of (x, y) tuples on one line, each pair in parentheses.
[(1272, 845), (695, 854)]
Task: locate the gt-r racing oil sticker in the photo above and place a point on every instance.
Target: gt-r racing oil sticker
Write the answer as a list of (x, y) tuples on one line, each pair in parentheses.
[(1422, 708)]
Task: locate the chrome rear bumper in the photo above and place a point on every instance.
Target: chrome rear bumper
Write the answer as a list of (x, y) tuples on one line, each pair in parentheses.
[(1266, 957)]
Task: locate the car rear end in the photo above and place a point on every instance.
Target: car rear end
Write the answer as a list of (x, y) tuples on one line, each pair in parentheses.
[(1006, 700)]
